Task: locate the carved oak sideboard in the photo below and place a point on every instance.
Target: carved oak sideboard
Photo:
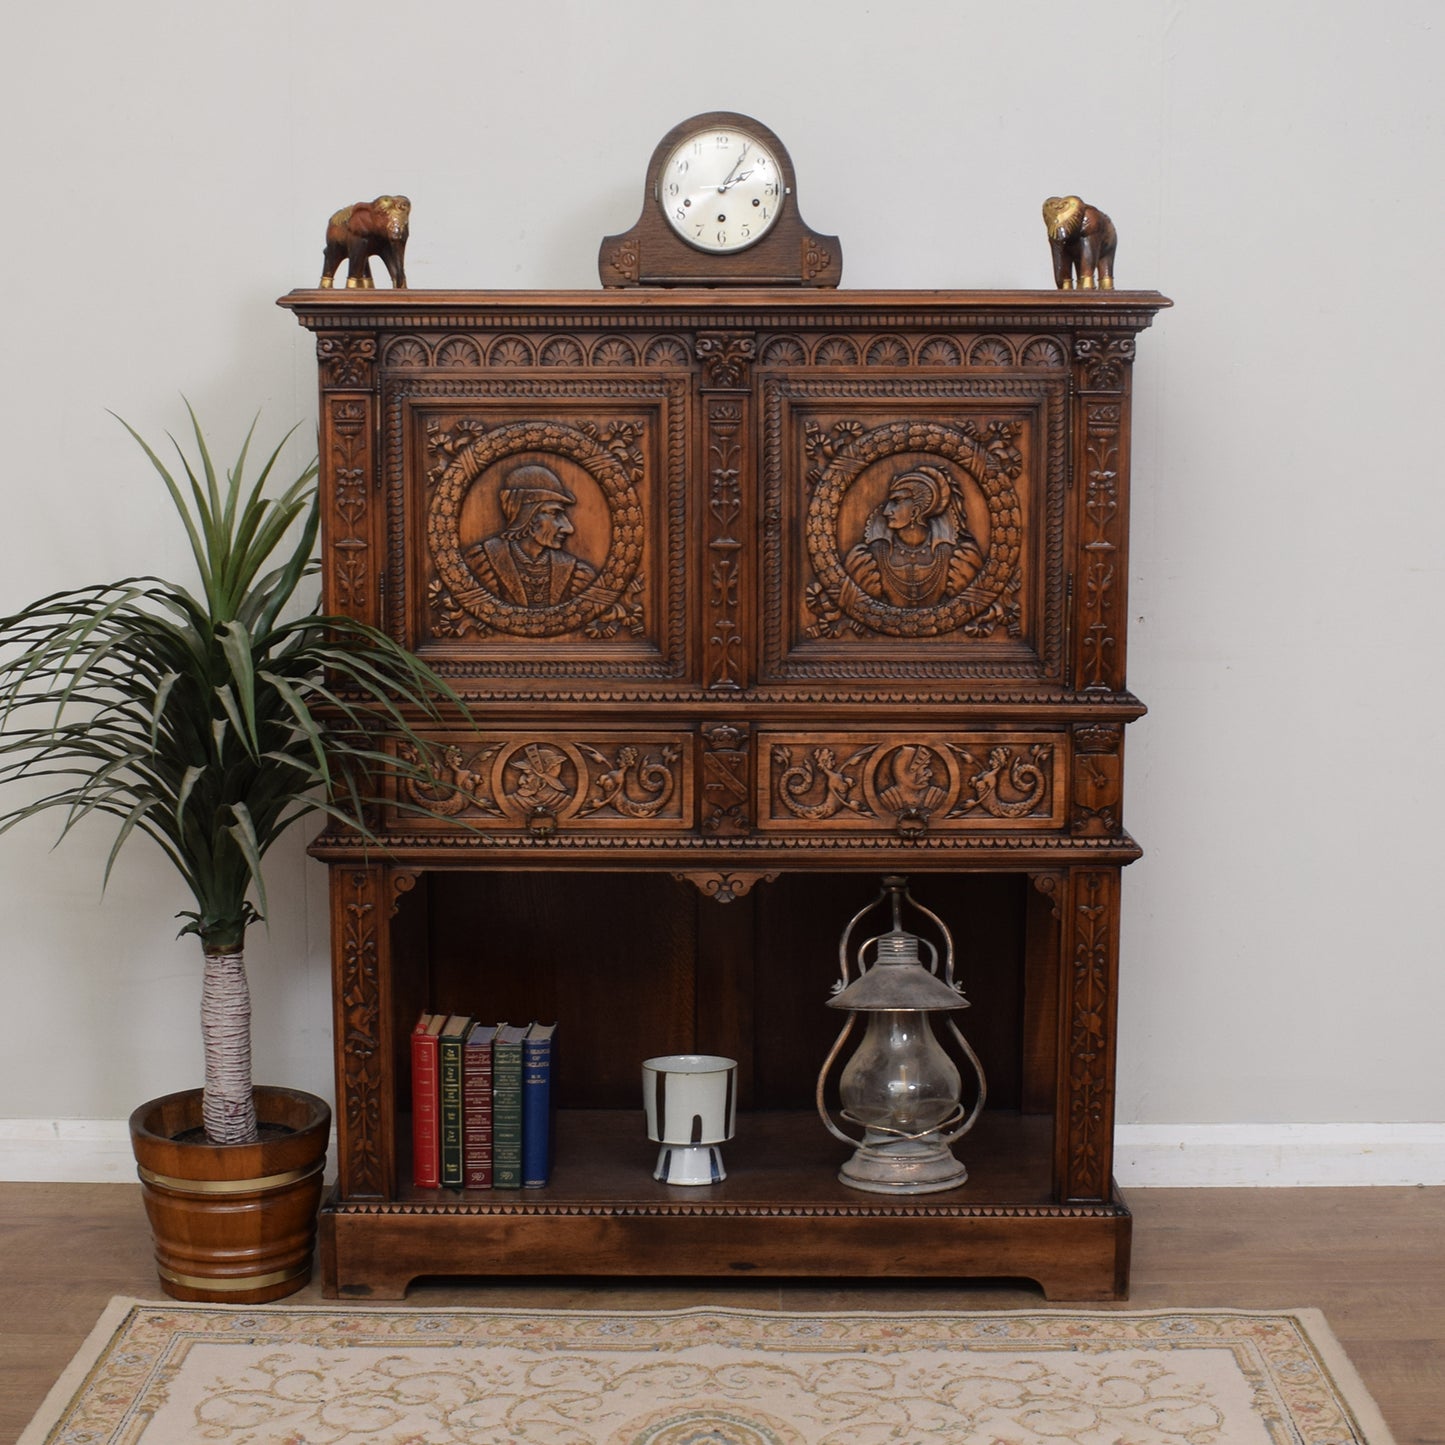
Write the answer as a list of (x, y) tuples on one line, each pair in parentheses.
[(754, 596)]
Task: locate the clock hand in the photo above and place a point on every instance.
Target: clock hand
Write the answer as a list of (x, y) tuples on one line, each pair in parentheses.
[(735, 181), (728, 179)]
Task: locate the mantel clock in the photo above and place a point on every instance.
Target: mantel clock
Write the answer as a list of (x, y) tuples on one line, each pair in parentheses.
[(720, 207)]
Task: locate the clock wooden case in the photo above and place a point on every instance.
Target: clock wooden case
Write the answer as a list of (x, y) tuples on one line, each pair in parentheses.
[(720, 207), (756, 595)]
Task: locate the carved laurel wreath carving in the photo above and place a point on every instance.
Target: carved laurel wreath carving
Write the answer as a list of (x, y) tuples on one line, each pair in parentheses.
[(611, 456), (988, 455)]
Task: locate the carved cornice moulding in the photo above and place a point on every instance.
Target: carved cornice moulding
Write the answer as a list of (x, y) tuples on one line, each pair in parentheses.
[(690, 308)]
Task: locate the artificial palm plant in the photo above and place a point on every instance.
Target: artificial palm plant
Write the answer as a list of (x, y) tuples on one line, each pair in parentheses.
[(210, 720)]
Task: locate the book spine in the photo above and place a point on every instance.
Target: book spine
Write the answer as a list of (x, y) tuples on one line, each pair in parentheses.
[(477, 1116), (536, 1112), (507, 1113), (425, 1140), (451, 1113)]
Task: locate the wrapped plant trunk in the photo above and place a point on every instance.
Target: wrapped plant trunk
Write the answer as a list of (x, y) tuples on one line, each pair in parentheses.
[(228, 1108)]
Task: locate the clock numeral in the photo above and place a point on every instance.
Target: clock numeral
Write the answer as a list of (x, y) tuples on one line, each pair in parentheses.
[(724, 141), (672, 189), (722, 238), (744, 231), (680, 214)]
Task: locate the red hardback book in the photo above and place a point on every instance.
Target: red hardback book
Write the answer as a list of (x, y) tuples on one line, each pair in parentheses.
[(477, 1107), (425, 1102)]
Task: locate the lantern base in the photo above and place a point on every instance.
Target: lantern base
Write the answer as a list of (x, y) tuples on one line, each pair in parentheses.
[(689, 1164), (902, 1166)]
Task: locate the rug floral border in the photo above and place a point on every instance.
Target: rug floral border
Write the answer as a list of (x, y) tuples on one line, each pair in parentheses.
[(1304, 1387)]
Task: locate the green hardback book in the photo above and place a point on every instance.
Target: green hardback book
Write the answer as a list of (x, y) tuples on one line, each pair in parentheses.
[(507, 1106), (450, 1069)]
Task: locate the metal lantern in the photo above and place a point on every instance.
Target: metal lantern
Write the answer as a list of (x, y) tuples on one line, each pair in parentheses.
[(900, 1087)]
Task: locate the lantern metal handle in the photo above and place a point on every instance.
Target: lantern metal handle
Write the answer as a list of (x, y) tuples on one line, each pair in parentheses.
[(897, 888)]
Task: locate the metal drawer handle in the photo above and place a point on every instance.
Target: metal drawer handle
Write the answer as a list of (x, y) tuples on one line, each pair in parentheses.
[(913, 822), (541, 822)]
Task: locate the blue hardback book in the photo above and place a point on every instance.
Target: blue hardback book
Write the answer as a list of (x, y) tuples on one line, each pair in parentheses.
[(537, 1105)]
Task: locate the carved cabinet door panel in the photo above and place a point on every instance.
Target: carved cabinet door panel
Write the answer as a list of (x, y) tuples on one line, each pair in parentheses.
[(920, 527), (547, 518)]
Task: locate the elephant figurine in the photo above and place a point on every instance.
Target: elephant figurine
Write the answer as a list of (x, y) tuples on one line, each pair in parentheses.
[(1083, 240), (369, 228)]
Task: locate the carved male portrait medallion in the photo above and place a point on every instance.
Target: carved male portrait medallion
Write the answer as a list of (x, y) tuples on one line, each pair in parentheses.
[(535, 529), (915, 529)]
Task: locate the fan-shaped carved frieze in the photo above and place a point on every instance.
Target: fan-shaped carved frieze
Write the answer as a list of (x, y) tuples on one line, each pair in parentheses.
[(667, 351), (836, 351), (613, 351), (511, 351), (939, 351), (561, 351), (888, 351), (991, 351), (784, 351), (936, 541), (536, 529), (1043, 353), (458, 352), (406, 351)]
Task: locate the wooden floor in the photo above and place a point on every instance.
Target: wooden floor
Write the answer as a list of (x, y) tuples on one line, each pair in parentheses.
[(1372, 1259)]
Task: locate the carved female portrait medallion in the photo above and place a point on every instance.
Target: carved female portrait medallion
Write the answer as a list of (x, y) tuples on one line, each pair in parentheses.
[(915, 529)]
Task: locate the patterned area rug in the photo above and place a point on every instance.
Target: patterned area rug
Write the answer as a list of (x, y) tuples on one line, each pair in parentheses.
[(171, 1374)]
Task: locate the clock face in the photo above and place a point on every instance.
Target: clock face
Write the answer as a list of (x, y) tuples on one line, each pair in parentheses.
[(721, 189)]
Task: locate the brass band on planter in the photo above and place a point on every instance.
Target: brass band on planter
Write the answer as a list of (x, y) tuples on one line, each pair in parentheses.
[(250, 1281), (228, 1186)]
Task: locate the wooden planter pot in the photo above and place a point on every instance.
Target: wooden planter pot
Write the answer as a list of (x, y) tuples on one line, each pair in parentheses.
[(233, 1223)]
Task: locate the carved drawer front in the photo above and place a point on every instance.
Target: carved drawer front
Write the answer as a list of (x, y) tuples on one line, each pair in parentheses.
[(549, 782), (912, 783)]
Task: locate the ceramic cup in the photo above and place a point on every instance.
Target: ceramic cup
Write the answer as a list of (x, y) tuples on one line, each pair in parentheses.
[(691, 1103)]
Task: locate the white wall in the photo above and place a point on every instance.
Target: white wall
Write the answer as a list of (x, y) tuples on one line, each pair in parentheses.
[(1275, 168)]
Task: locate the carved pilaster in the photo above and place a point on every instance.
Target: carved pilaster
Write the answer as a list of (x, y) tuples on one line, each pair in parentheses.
[(1101, 377), (349, 583), (1088, 1003), (361, 901), (726, 667), (727, 359), (1098, 780)]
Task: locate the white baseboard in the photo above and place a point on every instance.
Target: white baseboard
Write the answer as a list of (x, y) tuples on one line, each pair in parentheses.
[(1184, 1156), (1202, 1156)]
